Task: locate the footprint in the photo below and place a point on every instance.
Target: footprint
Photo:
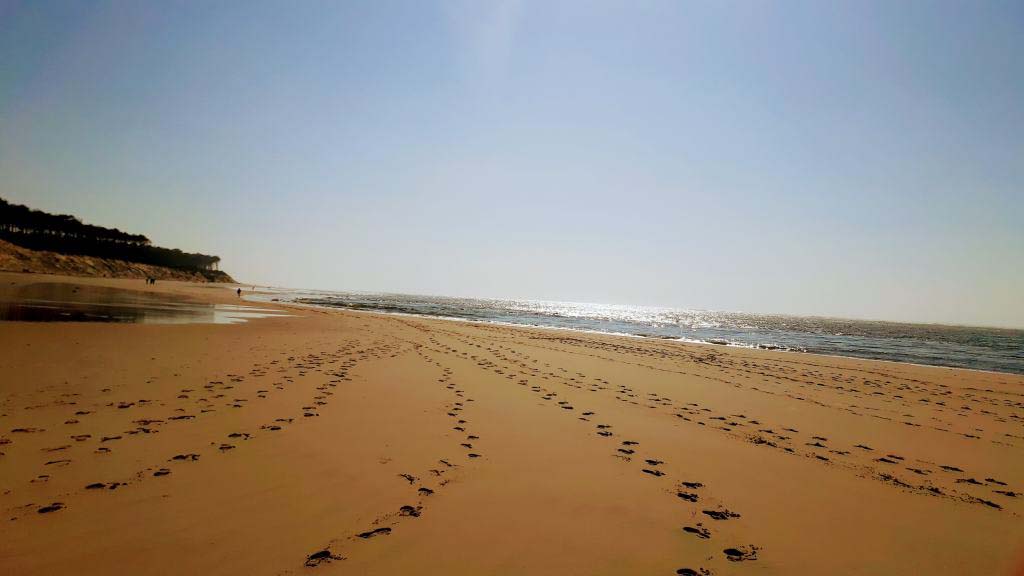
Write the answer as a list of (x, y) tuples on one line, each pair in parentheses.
[(413, 511), (698, 531), (988, 503), (51, 508), (653, 472), (741, 554), (316, 558), (689, 497), (722, 514), (374, 532), (162, 472)]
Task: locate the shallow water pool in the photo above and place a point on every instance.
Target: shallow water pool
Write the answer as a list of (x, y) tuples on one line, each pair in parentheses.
[(62, 302)]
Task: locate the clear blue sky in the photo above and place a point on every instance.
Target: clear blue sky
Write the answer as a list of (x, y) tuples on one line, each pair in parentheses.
[(860, 159)]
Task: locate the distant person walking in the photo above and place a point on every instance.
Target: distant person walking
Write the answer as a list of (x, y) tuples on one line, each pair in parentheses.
[(239, 292)]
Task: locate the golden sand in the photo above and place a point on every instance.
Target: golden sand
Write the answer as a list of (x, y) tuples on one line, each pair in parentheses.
[(337, 442)]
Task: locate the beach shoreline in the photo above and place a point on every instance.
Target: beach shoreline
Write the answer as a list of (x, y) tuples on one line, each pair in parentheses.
[(990, 349), (683, 341), (336, 441)]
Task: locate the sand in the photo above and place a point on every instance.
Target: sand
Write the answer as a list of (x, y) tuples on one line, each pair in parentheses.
[(335, 442), (15, 258)]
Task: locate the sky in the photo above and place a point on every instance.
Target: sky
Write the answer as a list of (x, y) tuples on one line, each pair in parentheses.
[(856, 159)]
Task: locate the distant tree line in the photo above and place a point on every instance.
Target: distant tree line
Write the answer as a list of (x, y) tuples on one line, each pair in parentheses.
[(67, 234)]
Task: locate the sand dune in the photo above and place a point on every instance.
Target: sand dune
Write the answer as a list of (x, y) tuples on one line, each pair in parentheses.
[(353, 443), (15, 258)]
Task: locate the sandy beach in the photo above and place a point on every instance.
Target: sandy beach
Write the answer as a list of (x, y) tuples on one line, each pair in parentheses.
[(336, 442)]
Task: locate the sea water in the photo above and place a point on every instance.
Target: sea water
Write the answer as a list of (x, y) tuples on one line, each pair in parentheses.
[(997, 349)]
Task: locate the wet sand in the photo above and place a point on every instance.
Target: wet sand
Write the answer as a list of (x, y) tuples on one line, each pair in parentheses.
[(44, 301), (335, 442)]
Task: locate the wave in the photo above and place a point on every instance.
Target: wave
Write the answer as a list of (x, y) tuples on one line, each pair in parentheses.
[(996, 349)]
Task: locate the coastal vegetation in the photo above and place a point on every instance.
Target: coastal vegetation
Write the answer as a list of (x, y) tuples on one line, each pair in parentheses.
[(67, 234)]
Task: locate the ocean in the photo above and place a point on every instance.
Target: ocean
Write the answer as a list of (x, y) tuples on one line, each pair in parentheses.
[(995, 349)]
